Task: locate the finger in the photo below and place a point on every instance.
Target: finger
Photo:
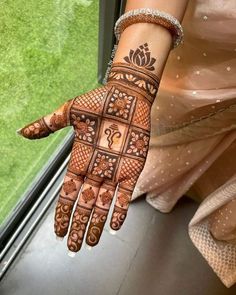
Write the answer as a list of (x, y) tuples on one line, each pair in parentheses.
[(48, 124), (77, 168), (82, 213), (101, 210), (120, 208), (129, 171), (67, 197)]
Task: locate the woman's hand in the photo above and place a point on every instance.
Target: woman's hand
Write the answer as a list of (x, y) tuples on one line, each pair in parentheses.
[(112, 131)]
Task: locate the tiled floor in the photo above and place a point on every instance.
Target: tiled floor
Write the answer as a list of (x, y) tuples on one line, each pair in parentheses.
[(151, 254)]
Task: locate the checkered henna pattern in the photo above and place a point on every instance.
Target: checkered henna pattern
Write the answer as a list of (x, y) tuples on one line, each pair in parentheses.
[(111, 138)]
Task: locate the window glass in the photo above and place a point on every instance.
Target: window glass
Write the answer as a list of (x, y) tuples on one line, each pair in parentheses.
[(48, 55)]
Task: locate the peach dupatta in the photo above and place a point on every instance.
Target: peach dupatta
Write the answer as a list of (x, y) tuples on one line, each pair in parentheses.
[(193, 143)]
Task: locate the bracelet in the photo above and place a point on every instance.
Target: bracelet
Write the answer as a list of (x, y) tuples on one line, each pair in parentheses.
[(149, 15)]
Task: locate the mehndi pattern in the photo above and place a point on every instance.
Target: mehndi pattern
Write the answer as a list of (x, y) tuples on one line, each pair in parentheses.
[(111, 139)]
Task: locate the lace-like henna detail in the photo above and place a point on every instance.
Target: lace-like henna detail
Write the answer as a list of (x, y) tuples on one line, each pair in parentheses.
[(129, 172), (78, 227), (141, 57), (91, 101), (118, 218), (96, 226), (36, 130), (80, 157), (142, 117), (88, 195), (62, 217)]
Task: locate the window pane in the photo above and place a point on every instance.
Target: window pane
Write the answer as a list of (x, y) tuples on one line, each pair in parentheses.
[(48, 55)]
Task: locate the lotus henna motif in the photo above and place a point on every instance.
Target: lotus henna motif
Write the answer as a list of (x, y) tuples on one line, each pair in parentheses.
[(141, 57)]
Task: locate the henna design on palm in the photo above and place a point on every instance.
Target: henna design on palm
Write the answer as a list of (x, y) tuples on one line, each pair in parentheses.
[(88, 195), (112, 133)]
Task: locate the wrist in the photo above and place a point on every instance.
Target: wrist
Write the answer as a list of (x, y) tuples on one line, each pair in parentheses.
[(136, 78), (158, 38)]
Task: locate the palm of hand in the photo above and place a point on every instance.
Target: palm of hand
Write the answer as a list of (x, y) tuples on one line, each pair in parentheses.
[(112, 131)]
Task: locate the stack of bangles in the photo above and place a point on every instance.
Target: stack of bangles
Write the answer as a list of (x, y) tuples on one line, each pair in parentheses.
[(146, 15)]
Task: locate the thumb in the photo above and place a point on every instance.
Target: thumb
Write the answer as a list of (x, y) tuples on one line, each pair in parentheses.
[(50, 123)]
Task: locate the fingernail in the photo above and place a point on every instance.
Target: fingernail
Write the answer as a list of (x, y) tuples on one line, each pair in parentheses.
[(18, 131), (59, 238), (88, 247), (71, 254), (112, 232)]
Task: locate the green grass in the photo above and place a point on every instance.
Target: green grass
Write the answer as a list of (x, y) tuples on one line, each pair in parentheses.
[(48, 54)]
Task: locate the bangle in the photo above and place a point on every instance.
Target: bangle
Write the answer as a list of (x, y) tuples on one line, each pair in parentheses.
[(149, 15)]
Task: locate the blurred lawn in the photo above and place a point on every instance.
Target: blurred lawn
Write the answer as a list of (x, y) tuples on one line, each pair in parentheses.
[(48, 54)]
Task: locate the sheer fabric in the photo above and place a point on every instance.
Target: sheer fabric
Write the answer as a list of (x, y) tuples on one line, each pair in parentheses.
[(193, 143)]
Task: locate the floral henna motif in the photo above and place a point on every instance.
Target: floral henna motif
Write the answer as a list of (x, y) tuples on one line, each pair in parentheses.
[(120, 104), (57, 121), (104, 165), (62, 216), (78, 227), (69, 186), (112, 133), (37, 129), (60, 118), (123, 199), (138, 144), (141, 57), (88, 195), (96, 226), (118, 218), (106, 197), (85, 127)]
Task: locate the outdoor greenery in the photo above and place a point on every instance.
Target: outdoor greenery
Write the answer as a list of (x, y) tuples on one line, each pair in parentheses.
[(48, 54)]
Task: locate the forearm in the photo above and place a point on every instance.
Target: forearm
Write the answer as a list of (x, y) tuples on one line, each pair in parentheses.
[(158, 38)]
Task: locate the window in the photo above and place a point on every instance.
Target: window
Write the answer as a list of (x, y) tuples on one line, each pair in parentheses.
[(48, 55)]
